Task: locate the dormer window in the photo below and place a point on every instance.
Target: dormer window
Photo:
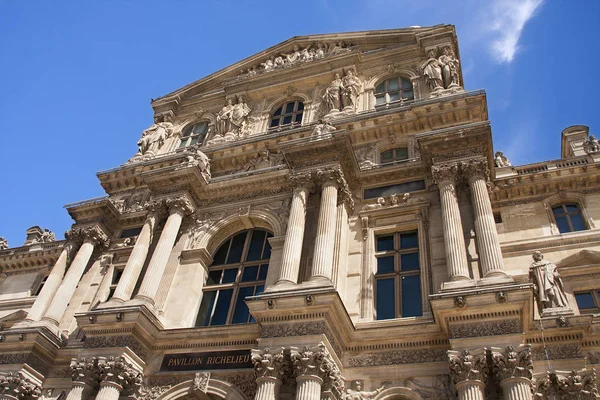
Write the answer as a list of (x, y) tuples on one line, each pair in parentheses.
[(288, 115), (393, 90), (193, 134)]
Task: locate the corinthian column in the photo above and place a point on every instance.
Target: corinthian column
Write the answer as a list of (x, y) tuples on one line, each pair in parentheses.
[(138, 255), (93, 235), (178, 208), (117, 377), (292, 247), (468, 372), (322, 267), (85, 374), (488, 244), (514, 370), (444, 176), (270, 370), (54, 280), (315, 370)]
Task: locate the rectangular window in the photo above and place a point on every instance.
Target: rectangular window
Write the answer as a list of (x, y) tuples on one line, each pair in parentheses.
[(130, 232), (588, 301), (398, 276), (399, 188), (114, 281), (568, 218)]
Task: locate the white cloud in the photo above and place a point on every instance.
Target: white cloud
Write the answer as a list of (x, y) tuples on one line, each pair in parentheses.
[(508, 20)]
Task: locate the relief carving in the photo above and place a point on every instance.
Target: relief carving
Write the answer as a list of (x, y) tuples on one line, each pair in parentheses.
[(439, 391), (466, 366), (444, 173), (269, 364), (117, 370), (154, 137), (487, 328), (513, 364), (246, 383), (398, 357), (16, 385), (201, 382), (264, 159)]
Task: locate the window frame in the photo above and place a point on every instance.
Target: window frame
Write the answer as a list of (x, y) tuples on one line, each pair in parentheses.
[(237, 284), (386, 93), (394, 153), (595, 297), (567, 215), (295, 112), (564, 198), (189, 138)]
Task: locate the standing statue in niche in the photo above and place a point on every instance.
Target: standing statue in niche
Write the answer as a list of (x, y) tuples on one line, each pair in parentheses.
[(449, 68), (332, 94), (501, 161), (432, 70), (350, 89), (154, 137), (548, 286)]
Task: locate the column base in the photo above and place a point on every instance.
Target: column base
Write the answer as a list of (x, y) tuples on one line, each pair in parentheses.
[(472, 283), (282, 286), (317, 281), (112, 303)]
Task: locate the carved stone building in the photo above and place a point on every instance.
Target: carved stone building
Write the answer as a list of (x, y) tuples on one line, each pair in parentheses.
[(326, 219)]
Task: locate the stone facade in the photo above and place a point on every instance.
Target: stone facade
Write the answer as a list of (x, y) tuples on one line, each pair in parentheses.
[(327, 219)]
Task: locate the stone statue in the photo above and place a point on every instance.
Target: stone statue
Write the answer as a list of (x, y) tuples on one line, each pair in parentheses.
[(3, 243), (449, 65), (268, 65), (294, 55), (320, 51), (350, 89), (332, 94), (224, 118), (358, 394), (501, 161), (47, 236), (591, 145), (154, 137), (548, 286), (260, 161), (278, 62), (307, 54), (380, 204), (323, 128), (233, 117), (432, 70), (196, 157)]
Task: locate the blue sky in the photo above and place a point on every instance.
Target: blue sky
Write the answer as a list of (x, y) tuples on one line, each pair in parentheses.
[(77, 76)]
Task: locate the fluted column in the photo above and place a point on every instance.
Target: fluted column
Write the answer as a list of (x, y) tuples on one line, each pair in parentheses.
[(292, 247), (178, 208), (85, 375), (138, 255), (117, 377), (488, 244), (468, 373), (514, 370), (53, 282), (270, 370), (444, 176), (322, 267), (315, 370), (109, 391), (93, 235), (79, 391)]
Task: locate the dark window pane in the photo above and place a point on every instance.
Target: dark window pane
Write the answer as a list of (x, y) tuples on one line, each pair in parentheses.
[(395, 96), (401, 153), (237, 246), (131, 232), (577, 222), (262, 274), (557, 210), (379, 100), (221, 253), (241, 312), (585, 300), (298, 118), (289, 108), (385, 265), (274, 122), (250, 273), (406, 84), (572, 208), (400, 188), (387, 156), (267, 250), (116, 276), (408, 94), (214, 277), (222, 307), (259, 290), (409, 240), (563, 226), (278, 111), (229, 275), (392, 85), (385, 243), (409, 262), (256, 245), (380, 88), (411, 296), (194, 141), (300, 106), (287, 120), (386, 299), (208, 299), (186, 132)]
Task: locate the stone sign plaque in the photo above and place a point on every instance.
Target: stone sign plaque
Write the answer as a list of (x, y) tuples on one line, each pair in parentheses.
[(235, 359)]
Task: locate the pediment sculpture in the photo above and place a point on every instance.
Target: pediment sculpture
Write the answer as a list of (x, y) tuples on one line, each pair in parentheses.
[(591, 145), (442, 72), (155, 136)]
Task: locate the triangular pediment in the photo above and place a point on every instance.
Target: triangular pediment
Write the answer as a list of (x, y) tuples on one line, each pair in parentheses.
[(309, 50), (582, 258)]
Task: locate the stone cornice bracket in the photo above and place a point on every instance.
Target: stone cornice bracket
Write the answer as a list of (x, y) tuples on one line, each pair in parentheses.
[(513, 363), (18, 386), (270, 363), (180, 204), (465, 366), (117, 370), (85, 371), (444, 173)]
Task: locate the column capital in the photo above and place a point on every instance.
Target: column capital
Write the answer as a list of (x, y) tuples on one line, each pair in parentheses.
[(155, 208), (16, 385), (467, 366), (475, 168), (513, 363), (85, 371), (316, 362), (302, 180), (92, 233), (330, 175), (180, 204), (447, 172), (269, 363), (118, 372)]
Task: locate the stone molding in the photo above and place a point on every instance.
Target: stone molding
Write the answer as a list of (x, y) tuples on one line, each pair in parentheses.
[(487, 328), (467, 366), (513, 363), (16, 385)]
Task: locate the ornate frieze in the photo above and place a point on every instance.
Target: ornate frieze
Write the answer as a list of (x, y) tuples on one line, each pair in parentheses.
[(557, 352), (151, 392), (116, 341), (263, 159), (513, 363), (487, 328), (366, 156), (416, 356), (466, 366), (16, 385)]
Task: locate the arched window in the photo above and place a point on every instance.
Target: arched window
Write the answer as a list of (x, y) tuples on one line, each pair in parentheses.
[(288, 115), (568, 218), (391, 155), (393, 90), (193, 134), (239, 270)]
